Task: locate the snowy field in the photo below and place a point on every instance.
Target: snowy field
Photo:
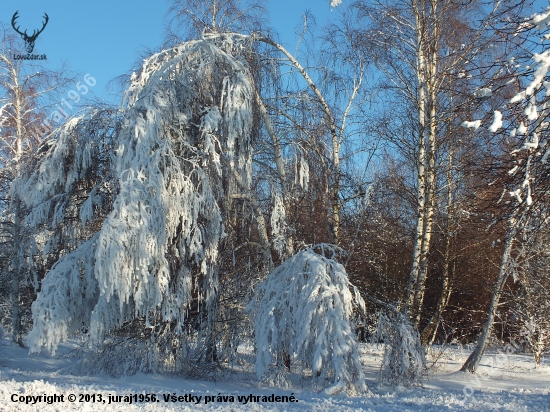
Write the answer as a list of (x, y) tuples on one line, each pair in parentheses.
[(504, 383)]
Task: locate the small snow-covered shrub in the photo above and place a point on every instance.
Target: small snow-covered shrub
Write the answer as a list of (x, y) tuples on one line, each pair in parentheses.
[(404, 362), (304, 310), (135, 348)]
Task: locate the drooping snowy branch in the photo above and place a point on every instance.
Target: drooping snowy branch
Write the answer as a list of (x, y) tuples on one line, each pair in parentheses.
[(76, 158), (67, 193), (279, 227), (69, 293)]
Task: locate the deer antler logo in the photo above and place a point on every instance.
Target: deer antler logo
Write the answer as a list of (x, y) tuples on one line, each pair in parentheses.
[(29, 40)]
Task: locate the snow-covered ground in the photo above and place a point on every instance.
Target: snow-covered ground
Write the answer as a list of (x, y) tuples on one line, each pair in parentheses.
[(504, 383)]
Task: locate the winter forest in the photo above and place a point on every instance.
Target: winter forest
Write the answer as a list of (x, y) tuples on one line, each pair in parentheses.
[(253, 207)]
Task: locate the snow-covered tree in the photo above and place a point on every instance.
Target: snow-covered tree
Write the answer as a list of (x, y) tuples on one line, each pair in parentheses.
[(526, 125), (181, 148), (305, 309), (530, 295)]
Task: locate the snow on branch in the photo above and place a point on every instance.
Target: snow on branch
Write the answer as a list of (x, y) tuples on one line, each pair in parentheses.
[(497, 122), (64, 304), (472, 125), (542, 64), (73, 154)]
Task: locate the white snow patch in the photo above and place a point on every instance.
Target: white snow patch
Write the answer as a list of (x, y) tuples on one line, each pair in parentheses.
[(497, 122), (472, 125), (512, 385)]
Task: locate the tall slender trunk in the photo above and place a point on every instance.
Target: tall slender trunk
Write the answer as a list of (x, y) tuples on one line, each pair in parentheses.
[(420, 161), (473, 360), (278, 152), (335, 212), (427, 221), (431, 92), (16, 277), (426, 26), (15, 210)]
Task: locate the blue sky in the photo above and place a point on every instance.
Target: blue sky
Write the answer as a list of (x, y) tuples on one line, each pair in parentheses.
[(105, 37)]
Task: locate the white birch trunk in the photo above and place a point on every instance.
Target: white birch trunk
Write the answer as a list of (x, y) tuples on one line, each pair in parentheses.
[(431, 94), (420, 162), (15, 212)]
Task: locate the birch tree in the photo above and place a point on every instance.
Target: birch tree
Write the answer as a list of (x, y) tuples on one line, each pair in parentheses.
[(151, 261), (329, 114), (427, 51), (527, 182), (198, 17), (24, 89)]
